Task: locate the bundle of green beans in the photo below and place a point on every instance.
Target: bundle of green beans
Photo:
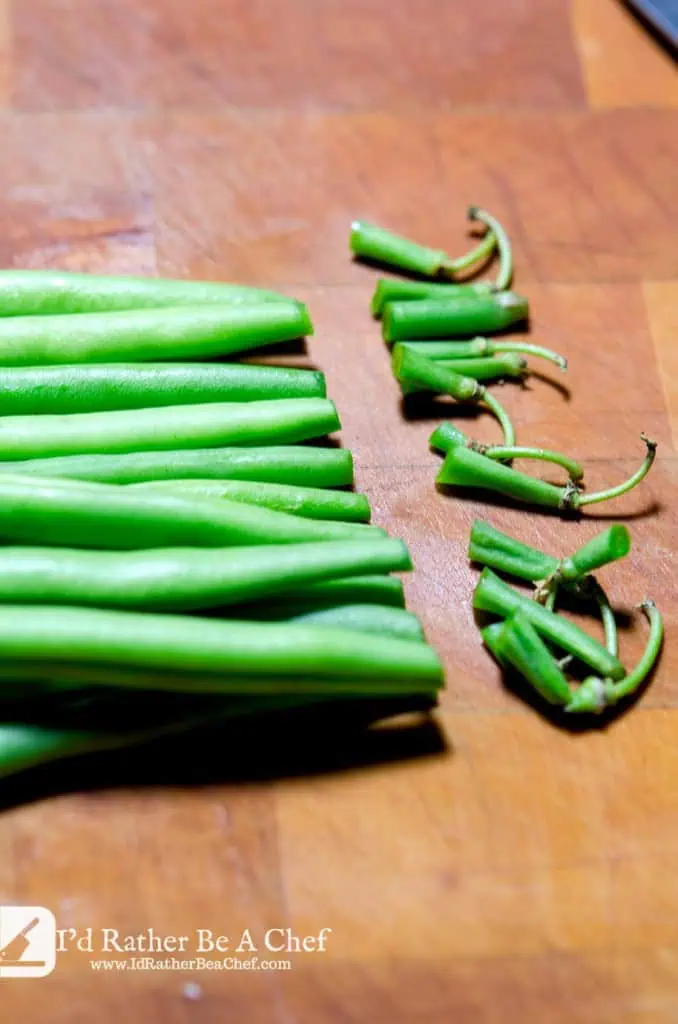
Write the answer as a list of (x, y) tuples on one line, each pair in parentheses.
[(173, 556), (529, 630)]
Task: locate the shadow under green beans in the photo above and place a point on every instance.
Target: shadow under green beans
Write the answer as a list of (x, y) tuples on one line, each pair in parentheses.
[(293, 347), (561, 719), (546, 378), (334, 737), (588, 609), (322, 442), (653, 509), (425, 405)]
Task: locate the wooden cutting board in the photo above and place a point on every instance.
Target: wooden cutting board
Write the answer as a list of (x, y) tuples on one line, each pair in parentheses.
[(488, 866)]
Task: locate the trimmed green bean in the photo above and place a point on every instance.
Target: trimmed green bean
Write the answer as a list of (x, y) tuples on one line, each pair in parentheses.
[(390, 289), (168, 427), (365, 618), (385, 590), (521, 645), (81, 680), (312, 502), (510, 365), (463, 467), (488, 368), (494, 596), (503, 553), (73, 513), (101, 387), (491, 636), (498, 550), (186, 578), (447, 318), (483, 347), (188, 332), (237, 655), (286, 464), (417, 373), (367, 241), (605, 547), (447, 436), (55, 292)]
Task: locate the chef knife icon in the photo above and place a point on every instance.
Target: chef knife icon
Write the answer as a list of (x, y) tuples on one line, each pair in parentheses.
[(16, 947)]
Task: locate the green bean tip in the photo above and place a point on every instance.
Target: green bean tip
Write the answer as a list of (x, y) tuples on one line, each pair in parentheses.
[(589, 698)]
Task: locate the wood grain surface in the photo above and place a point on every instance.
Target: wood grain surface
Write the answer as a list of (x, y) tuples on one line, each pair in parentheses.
[(486, 866)]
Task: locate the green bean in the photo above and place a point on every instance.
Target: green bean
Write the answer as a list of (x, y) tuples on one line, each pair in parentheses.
[(312, 467), (494, 596), (455, 349), (100, 387), (605, 547), (384, 590), (492, 638), (78, 680), (73, 513), (26, 746), (455, 317), (237, 655), (365, 618), (488, 368), (169, 427), (499, 551), (185, 578), (367, 241), (394, 290), (40, 292), (312, 502), (464, 467), (418, 373), (447, 436), (521, 645), (189, 332)]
